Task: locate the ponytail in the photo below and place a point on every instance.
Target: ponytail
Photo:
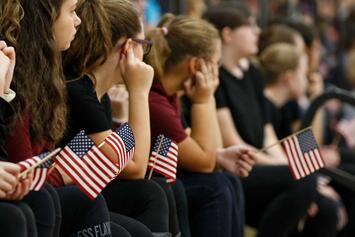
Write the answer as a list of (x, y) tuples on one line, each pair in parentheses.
[(178, 37)]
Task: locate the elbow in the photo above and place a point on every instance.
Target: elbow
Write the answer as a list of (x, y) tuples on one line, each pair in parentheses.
[(134, 171), (207, 165)]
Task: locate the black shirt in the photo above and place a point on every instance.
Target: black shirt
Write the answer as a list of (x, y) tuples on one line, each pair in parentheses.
[(283, 118), (86, 112), (246, 102)]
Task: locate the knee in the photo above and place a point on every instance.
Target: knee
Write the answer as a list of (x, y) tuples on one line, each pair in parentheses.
[(13, 218), (219, 189), (155, 195)]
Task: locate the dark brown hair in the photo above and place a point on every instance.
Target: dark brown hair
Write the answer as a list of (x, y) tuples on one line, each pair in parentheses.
[(38, 79), (185, 36), (231, 15), (105, 22), (11, 13)]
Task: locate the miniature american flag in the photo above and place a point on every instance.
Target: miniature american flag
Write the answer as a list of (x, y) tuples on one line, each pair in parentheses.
[(122, 142), (303, 154), (163, 158), (86, 165), (40, 172)]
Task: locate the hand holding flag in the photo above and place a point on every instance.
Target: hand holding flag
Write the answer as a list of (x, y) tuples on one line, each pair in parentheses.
[(302, 153), (163, 158), (41, 165)]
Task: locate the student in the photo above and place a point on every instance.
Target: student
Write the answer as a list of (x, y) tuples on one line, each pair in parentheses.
[(185, 55), (17, 219), (48, 27), (241, 115), (99, 58)]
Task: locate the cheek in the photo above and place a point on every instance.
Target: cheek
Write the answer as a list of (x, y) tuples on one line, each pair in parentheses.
[(64, 31)]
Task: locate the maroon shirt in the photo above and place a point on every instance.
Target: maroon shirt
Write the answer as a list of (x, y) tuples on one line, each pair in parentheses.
[(19, 147), (164, 115)]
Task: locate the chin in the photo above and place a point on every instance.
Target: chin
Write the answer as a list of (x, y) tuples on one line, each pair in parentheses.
[(65, 47)]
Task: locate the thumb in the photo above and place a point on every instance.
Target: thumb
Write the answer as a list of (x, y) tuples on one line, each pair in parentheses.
[(10, 167)]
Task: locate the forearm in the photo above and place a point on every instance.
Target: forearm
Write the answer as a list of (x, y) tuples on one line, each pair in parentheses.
[(204, 126), (140, 124)]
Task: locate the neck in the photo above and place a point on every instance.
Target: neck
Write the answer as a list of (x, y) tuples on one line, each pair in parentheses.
[(104, 79), (276, 95), (231, 60)]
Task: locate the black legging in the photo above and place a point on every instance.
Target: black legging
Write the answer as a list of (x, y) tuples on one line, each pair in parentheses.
[(182, 208), (42, 205), (17, 220), (173, 217), (58, 209), (82, 216), (274, 201), (132, 226), (143, 200)]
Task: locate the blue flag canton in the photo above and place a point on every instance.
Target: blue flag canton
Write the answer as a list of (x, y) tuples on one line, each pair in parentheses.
[(81, 144), (48, 162), (126, 134), (164, 147), (307, 141)]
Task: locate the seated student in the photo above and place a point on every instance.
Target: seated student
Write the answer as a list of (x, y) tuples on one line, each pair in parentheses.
[(47, 27), (185, 55), (98, 59), (282, 84), (328, 197), (17, 218), (241, 106)]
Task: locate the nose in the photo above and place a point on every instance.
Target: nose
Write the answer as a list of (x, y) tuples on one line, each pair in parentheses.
[(77, 20)]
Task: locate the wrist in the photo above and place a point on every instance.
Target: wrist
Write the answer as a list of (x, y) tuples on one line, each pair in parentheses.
[(138, 95), (8, 95)]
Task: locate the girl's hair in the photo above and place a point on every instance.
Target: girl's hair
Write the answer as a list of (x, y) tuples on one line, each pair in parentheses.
[(277, 33), (38, 79), (105, 23), (178, 37), (228, 14), (277, 59), (11, 13)]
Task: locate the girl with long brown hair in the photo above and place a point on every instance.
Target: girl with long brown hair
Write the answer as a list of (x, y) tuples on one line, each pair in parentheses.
[(46, 29), (108, 50)]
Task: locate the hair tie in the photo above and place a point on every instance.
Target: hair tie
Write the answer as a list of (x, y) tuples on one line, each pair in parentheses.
[(165, 30)]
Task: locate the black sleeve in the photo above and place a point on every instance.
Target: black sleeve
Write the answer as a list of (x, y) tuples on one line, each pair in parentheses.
[(86, 111), (6, 112), (220, 97)]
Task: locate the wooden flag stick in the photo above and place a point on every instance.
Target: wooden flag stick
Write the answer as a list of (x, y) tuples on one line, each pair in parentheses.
[(49, 156), (280, 141), (155, 158)]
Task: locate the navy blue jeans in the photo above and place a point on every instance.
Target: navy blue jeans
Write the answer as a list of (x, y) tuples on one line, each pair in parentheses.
[(213, 210)]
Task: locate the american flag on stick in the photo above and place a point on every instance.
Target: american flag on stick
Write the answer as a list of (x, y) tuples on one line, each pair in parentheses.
[(122, 142), (163, 158), (302, 153), (86, 165), (41, 165)]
